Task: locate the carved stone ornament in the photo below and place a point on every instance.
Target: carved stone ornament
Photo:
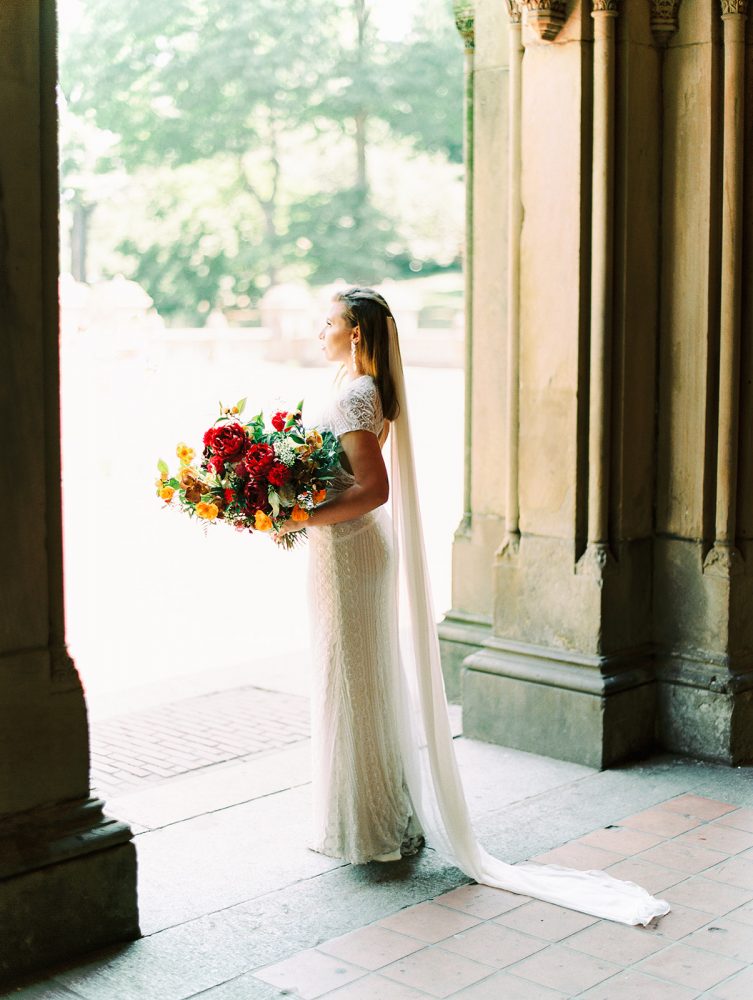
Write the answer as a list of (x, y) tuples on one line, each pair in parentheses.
[(546, 17), (730, 7), (464, 11), (513, 10), (611, 7), (664, 22)]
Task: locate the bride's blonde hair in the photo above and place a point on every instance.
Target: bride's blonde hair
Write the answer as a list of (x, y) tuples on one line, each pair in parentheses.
[(368, 310)]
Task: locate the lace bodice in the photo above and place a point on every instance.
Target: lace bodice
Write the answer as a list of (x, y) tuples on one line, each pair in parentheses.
[(358, 407)]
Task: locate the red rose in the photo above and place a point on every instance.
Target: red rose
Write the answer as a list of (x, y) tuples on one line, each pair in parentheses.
[(209, 437), (230, 441), (229, 495), (278, 420), (255, 496), (218, 464), (259, 459), (279, 474)]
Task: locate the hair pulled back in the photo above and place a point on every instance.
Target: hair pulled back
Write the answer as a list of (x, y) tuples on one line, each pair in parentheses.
[(368, 310)]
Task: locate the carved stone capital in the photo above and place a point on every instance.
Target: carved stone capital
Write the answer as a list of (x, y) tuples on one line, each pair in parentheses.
[(546, 17), (664, 22), (464, 11), (609, 7), (732, 7), (513, 11)]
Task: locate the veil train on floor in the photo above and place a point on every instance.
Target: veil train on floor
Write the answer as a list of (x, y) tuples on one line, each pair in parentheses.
[(426, 741)]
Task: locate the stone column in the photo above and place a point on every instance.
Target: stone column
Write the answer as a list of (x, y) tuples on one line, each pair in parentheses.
[(568, 668), (68, 872), (466, 625)]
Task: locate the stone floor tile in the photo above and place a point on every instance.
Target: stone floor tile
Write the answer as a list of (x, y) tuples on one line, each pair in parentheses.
[(373, 987), (621, 840), (309, 974), (718, 837), (690, 967), (619, 943), (632, 985), (743, 914), (724, 937), (428, 922), (506, 986), (481, 900), (436, 971), (701, 893), (581, 856), (740, 819), (734, 871), (698, 806), (653, 878), (371, 947), (680, 920), (684, 857), (493, 944), (739, 987), (662, 822), (546, 920), (561, 968)]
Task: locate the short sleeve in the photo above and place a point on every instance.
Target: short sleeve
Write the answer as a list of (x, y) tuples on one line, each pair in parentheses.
[(358, 409)]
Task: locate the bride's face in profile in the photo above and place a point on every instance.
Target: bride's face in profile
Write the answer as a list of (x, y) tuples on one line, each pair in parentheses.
[(336, 334)]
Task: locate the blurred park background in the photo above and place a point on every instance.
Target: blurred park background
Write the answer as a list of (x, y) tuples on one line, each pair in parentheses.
[(224, 166)]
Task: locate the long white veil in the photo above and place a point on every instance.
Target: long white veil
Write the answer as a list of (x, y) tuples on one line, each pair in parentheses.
[(426, 741)]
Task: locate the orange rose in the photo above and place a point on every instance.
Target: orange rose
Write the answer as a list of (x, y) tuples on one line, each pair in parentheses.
[(261, 521), (166, 493), (319, 495), (298, 514)]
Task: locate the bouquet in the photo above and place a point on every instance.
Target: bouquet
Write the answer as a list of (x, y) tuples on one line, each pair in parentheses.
[(252, 477)]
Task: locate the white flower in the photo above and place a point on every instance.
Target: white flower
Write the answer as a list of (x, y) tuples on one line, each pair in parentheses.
[(285, 451)]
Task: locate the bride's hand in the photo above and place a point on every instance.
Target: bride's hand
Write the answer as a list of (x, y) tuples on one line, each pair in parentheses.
[(289, 526)]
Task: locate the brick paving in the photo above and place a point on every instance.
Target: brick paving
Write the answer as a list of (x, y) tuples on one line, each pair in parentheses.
[(130, 751), (478, 943)]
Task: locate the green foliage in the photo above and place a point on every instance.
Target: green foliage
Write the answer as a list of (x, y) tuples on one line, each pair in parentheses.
[(211, 107)]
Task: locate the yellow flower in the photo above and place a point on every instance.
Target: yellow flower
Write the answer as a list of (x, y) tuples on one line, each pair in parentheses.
[(166, 493), (314, 439), (298, 514), (184, 453), (208, 511), (261, 521)]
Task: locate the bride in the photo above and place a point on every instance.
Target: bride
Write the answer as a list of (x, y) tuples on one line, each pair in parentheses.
[(384, 772)]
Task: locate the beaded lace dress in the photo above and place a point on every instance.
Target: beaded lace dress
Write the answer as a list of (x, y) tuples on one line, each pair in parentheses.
[(361, 805)]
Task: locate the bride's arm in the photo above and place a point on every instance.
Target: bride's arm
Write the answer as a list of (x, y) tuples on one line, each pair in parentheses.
[(371, 488)]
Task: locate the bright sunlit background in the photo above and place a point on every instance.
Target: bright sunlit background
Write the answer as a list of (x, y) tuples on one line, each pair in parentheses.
[(224, 166)]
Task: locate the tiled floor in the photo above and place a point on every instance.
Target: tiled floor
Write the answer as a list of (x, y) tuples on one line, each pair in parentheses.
[(477, 943)]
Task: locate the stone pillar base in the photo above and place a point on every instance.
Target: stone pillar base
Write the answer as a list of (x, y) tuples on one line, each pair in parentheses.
[(67, 885), (593, 710), (706, 711), (460, 635)]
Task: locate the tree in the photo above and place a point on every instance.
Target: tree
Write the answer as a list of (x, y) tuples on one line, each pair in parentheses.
[(244, 90)]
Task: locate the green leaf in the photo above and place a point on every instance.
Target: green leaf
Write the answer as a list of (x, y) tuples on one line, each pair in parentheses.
[(274, 500), (162, 465), (174, 483), (241, 404)]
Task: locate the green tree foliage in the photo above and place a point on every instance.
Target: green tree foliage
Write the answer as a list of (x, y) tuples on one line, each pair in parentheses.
[(235, 95)]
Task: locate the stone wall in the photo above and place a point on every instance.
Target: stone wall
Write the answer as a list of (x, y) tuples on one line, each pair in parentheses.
[(612, 456)]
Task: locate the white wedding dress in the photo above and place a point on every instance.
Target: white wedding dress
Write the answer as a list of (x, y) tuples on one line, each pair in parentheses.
[(384, 767)]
